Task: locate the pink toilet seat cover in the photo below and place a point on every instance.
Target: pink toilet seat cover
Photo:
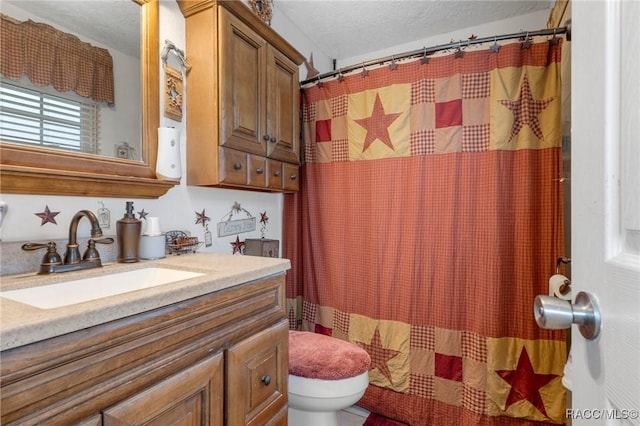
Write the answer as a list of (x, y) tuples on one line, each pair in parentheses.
[(317, 356)]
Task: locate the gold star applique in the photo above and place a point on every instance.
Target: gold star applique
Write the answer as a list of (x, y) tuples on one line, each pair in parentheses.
[(526, 110), (377, 125), (47, 216), (379, 355)]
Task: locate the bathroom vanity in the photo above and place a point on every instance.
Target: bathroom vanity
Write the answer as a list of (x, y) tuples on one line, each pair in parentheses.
[(210, 350)]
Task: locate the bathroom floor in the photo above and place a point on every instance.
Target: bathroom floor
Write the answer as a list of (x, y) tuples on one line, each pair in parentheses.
[(352, 416)]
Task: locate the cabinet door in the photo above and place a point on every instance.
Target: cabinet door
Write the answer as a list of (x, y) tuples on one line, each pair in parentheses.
[(243, 92), (283, 108), (257, 375), (191, 397)]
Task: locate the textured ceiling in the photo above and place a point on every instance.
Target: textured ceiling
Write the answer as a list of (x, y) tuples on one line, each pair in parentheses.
[(341, 28), (349, 28)]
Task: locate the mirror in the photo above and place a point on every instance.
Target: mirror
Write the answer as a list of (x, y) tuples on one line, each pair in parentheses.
[(32, 170)]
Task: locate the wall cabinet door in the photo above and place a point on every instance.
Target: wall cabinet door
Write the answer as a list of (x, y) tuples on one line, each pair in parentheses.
[(192, 396), (243, 55), (257, 378), (282, 108)]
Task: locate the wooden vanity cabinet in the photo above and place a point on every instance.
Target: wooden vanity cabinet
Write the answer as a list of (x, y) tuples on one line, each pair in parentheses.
[(243, 97), (218, 359)]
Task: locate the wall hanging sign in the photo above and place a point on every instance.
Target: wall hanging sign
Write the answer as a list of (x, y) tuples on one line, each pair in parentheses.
[(172, 93), (230, 227)]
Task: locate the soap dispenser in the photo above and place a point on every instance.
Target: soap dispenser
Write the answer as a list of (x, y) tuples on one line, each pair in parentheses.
[(128, 234)]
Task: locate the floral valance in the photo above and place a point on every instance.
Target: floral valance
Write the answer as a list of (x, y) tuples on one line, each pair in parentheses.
[(48, 56)]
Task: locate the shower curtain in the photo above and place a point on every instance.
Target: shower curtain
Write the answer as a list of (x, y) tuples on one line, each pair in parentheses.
[(428, 219)]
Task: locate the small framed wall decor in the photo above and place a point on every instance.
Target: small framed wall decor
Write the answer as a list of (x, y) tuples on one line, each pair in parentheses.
[(172, 93)]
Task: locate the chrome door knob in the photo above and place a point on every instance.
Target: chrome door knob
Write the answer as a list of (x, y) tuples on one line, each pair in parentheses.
[(553, 313)]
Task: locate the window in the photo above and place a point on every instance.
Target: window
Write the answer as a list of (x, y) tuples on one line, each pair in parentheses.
[(34, 117)]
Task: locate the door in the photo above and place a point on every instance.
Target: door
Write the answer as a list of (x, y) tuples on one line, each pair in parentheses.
[(605, 188)]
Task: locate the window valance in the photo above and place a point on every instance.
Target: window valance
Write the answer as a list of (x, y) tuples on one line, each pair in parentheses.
[(48, 56)]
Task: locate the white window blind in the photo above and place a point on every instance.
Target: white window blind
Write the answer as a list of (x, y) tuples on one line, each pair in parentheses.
[(34, 117)]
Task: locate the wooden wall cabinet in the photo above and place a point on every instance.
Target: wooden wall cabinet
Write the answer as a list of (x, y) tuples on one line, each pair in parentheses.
[(243, 100), (217, 359)]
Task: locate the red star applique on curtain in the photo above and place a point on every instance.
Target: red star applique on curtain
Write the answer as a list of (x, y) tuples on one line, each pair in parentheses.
[(525, 383), (525, 111), (379, 354), (47, 216), (377, 125)]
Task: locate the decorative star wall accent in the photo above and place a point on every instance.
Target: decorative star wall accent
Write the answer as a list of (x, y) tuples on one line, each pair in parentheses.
[(143, 214), (526, 110), (525, 383), (237, 246), (264, 219), (377, 125), (47, 216), (379, 355), (311, 69), (202, 218)]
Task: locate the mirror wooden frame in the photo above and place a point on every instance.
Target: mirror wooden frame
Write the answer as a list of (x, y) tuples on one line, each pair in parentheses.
[(28, 170)]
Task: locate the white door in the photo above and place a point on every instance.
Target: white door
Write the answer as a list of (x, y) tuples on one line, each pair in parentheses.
[(605, 193)]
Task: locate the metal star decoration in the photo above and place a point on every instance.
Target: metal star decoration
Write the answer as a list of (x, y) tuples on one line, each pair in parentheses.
[(237, 208), (237, 245), (143, 214), (495, 47), (47, 216), (311, 70), (264, 219), (202, 218)]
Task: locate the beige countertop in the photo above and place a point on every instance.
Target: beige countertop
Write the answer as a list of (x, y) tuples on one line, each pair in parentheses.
[(21, 324)]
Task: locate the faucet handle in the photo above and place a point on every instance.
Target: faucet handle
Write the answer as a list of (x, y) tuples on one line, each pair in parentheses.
[(51, 257), (91, 254)]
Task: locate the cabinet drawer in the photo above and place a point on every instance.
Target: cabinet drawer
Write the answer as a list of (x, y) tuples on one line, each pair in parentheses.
[(233, 165), (257, 374), (257, 171), (274, 179), (291, 177)]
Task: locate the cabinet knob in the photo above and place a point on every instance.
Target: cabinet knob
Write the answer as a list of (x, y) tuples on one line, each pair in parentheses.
[(273, 140), (276, 173), (293, 176), (259, 170), (266, 380), (237, 166), (266, 138)]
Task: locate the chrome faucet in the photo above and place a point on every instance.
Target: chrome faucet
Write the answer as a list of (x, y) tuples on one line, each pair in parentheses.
[(53, 263)]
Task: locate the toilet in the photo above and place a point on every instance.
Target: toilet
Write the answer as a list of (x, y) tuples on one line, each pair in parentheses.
[(326, 375)]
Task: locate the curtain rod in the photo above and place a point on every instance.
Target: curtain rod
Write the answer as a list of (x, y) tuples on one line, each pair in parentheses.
[(430, 50)]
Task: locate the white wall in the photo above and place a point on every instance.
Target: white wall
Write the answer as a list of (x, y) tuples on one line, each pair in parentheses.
[(177, 209)]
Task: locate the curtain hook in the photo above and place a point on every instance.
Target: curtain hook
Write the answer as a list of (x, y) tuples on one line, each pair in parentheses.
[(495, 47), (527, 41), (459, 52), (320, 83), (425, 59), (365, 72), (340, 76), (393, 65)]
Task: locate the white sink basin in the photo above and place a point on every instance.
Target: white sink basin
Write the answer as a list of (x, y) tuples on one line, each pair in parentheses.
[(86, 289)]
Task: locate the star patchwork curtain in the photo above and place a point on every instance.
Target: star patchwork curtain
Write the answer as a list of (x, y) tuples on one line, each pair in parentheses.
[(429, 217)]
